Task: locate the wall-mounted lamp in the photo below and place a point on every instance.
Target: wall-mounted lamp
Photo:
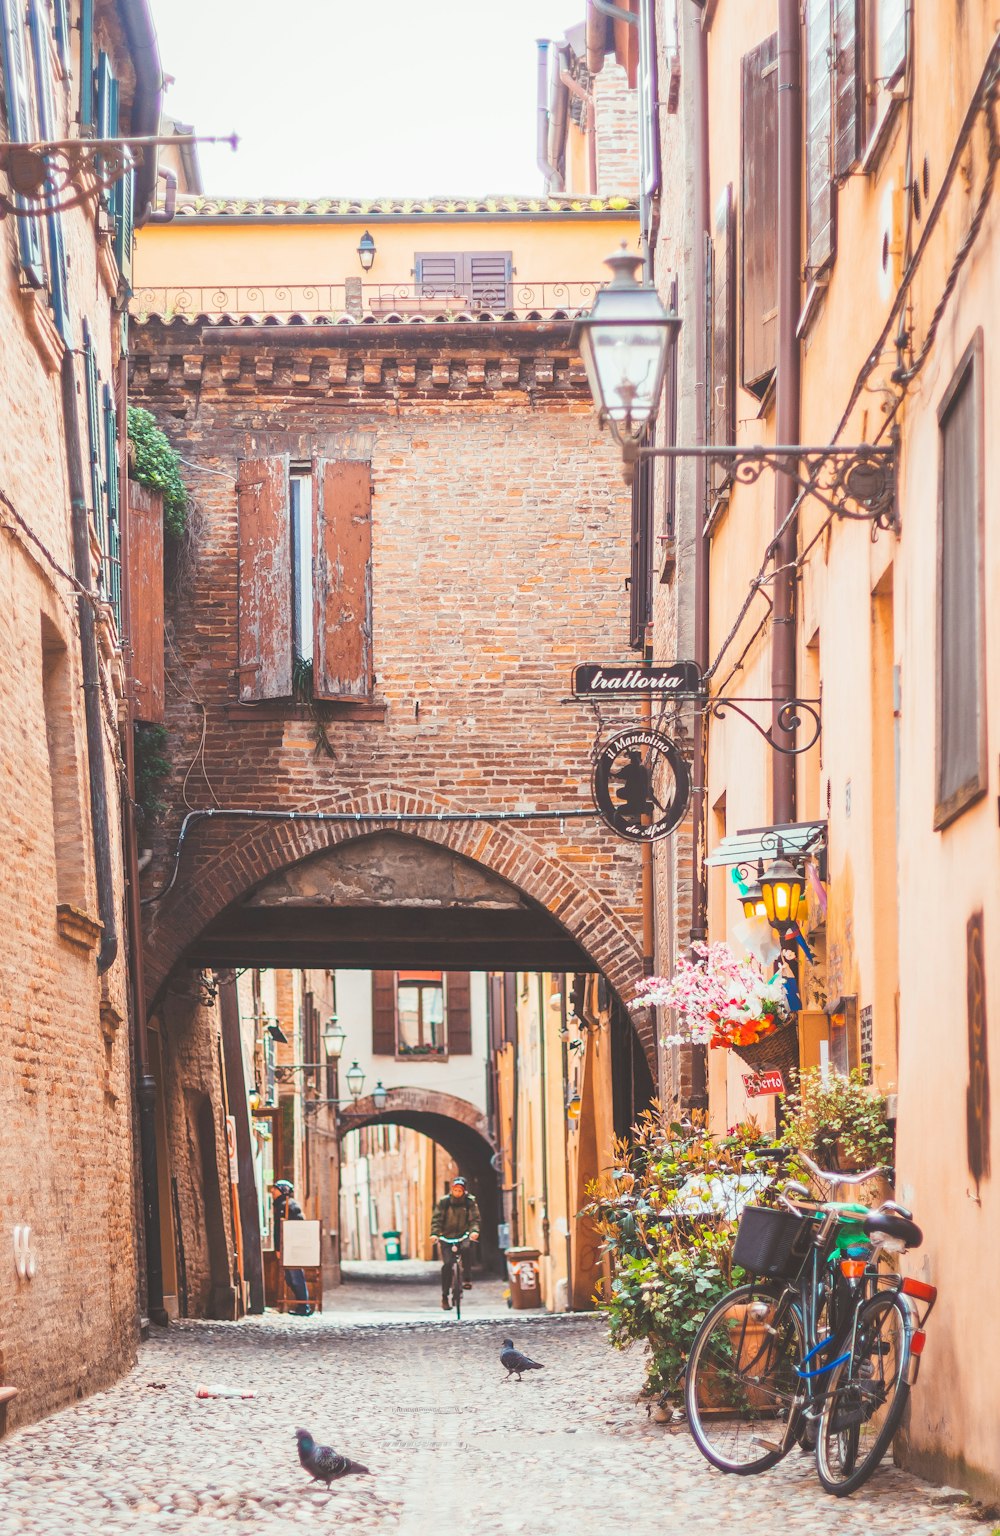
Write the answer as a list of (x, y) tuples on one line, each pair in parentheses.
[(781, 890), (573, 1108), (379, 1095), (276, 1033), (334, 1035), (753, 899), (366, 251), (355, 1080)]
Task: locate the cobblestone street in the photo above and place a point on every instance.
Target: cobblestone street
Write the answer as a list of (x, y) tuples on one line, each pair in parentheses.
[(424, 1404)]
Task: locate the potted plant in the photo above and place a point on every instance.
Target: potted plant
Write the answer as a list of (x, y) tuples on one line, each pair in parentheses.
[(667, 1217), (838, 1118), (725, 1003)]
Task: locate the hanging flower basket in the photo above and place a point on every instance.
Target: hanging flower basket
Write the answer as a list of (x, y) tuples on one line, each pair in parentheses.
[(720, 1000), (774, 1052)]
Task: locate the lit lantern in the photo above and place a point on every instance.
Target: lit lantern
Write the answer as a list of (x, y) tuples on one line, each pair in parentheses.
[(753, 899), (781, 888)]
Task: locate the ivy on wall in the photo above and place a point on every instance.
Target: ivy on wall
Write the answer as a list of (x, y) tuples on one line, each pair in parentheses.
[(155, 464)]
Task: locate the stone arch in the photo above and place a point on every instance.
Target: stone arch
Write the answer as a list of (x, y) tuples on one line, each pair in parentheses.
[(231, 860), (457, 1126)]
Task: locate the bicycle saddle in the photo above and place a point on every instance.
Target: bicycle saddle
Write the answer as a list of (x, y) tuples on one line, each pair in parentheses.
[(894, 1226)]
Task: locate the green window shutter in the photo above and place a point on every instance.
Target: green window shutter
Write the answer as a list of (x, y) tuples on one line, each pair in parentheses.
[(123, 226), (85, 115), (93, 434), (20, 129), (112, 549), (47, 131)]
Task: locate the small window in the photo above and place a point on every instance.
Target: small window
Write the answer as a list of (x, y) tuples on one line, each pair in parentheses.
[(420, 1015), (478, 279), (961, 635)]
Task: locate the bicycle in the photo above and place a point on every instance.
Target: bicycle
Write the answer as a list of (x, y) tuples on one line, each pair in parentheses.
[(457, 1271), (820, 1348)]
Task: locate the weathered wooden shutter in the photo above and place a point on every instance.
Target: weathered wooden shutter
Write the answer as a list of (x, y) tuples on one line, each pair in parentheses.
[(264, 579), (640, 581), (819, 127), (19, 129), (891, 38), (41, 55), (961, 758), (760, 214), (458, 1013), (722, 413), (145, 599), (488, 278), (85, 113), (847, 99), (438, 273), (124, 204), (383, 1013), (342, 579), (93, 433)]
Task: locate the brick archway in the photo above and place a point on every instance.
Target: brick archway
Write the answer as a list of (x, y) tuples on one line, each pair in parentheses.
[(407, 1106)]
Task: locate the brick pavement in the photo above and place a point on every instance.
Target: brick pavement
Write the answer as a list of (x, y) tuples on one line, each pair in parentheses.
[(450, 1445)]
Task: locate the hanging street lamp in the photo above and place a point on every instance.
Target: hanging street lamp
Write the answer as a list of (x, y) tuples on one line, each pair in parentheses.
[(334, 1035), (781, 888), (355, 1080), (753, 898)]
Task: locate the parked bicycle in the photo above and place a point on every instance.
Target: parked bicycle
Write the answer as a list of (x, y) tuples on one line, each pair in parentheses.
[(458, 1247), (821, 1348)]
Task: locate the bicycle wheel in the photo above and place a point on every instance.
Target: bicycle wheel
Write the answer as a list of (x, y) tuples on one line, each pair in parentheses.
[(742, 1382), (865, 1397), (456, 1288)]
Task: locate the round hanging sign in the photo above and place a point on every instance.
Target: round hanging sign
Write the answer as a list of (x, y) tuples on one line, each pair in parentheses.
[(641, 785)]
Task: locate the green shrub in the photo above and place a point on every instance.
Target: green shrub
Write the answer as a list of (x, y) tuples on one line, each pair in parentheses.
[(151, 767), (156, 465), (840, 1121)]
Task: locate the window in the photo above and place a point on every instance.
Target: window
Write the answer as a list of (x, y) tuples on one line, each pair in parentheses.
[(421, 1014), (21, 128), (759, 211), (64, 783), (721, 295), (819, 106), (480, 279), (304, 577), (961, 680)]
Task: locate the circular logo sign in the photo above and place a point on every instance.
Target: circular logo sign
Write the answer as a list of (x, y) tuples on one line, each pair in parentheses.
[(641, 785)]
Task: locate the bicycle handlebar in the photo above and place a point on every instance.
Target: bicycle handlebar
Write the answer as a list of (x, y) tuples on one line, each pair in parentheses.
[(832, 1178), (453, 1242)]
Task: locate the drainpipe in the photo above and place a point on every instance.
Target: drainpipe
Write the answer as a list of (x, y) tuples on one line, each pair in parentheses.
[(144, 1080), (542, 1005), (553, 181), (557, 125), (91, 675), (697, 49), (787, 426)]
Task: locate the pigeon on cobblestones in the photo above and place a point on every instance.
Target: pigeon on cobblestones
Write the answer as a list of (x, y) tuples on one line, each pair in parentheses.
[(514, 1362), (322, 1462)]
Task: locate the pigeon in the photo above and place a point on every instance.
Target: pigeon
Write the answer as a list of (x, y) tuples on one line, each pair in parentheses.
[(322, 1462), (514, 1362)]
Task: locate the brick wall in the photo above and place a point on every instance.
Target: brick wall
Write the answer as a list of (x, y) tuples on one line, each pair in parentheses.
[(500, 538), (616, 124)]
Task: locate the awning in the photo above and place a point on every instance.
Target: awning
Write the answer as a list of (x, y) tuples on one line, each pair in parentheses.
[(755, 843)]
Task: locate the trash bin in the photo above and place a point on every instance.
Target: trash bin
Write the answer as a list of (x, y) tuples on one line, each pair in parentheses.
[(392, 1248), (522, 1269)]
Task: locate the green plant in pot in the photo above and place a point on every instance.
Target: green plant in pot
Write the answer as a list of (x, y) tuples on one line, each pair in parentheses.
[(839, 1119)]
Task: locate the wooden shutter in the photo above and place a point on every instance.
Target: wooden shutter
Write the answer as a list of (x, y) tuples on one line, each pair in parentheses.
[(145, 599), (20, 128), (640, 581), (41, 55), (383, 1013), (488, 279), (124, 204), (961, 712), (819, 127), (847, 101), (85, 114), (264, 579), (439, 274), (760, 214), (93, 434), (458, 1013), (722, 414), (342, 579)]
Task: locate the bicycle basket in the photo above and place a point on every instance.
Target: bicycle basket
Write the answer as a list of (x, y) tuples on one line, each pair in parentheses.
[(773, 1243)]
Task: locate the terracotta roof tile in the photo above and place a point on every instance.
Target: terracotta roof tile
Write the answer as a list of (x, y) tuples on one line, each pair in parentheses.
[(199, 207)]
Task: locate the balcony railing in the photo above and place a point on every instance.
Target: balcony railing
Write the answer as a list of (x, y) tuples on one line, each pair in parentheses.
[(365, 303)]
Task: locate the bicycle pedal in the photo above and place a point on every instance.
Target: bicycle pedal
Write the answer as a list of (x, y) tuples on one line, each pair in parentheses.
[(768, 1445)]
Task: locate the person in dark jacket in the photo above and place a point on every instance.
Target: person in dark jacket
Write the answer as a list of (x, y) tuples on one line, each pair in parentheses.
[(457, 1215), (287, 1208)]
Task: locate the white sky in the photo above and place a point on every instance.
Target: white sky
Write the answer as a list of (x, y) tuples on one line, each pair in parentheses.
[(361, 98)]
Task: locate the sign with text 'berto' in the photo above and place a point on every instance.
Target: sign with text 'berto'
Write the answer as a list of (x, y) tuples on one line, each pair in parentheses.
[(758, 1085), (594, 680)]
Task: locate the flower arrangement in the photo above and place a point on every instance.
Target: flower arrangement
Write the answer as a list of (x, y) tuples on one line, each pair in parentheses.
[(721, 1001)]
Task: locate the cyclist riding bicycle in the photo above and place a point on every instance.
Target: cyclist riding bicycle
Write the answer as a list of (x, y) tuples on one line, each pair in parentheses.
[(457, 1215)]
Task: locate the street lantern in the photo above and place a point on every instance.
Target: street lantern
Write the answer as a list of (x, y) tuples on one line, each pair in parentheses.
[(334, 1035), (624, 343), (355, 1080), (781, 888), (366, 251), (379, 1096), (753, 900), (573, 1108)]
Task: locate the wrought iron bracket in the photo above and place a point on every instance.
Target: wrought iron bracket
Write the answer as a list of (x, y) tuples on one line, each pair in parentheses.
[(791, 714), (856, 480), (63, 173)]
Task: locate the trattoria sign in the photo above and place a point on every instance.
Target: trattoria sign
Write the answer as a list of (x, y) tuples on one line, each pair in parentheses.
[(594, 680)]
